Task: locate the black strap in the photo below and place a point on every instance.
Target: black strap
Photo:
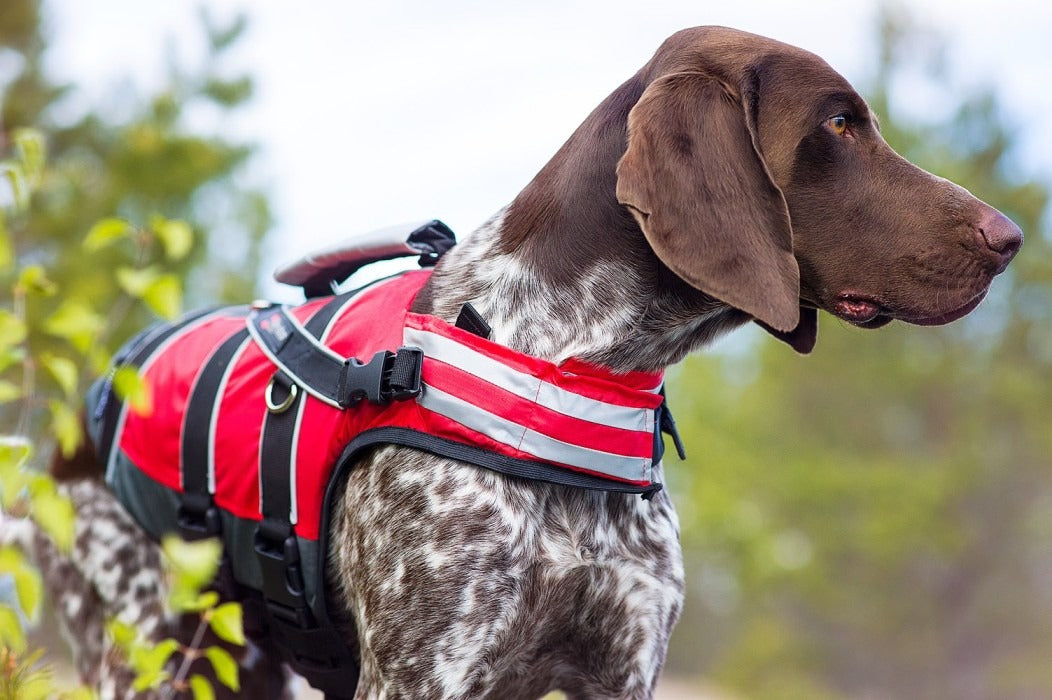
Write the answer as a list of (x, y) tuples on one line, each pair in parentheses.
[(471, 320), (388, 376), (312, 646), (665, 423), (134, 354), (306, 638), (198, 517)]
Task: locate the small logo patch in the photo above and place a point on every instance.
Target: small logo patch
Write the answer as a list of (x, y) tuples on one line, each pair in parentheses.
[(275, 329)]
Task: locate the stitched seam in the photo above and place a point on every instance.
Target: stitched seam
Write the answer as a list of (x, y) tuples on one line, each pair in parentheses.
[(536, 398)]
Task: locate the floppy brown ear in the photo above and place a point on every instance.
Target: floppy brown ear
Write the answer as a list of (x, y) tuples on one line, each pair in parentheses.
[(803, 337), (698, 187)]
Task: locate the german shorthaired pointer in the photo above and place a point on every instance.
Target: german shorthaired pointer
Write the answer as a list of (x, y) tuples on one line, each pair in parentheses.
[(732, 179)]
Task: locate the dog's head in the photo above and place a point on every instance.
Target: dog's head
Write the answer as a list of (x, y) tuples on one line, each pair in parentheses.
[(759, 176)]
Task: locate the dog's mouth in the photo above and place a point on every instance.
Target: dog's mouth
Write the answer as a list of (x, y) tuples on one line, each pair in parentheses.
[(868, 312)]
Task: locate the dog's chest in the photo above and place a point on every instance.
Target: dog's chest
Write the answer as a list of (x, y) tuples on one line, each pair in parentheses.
[(500, 568)]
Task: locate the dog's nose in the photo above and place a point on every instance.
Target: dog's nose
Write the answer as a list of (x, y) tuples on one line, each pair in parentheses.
[(1001, 236)]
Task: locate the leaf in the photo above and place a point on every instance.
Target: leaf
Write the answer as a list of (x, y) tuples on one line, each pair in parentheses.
[(135, 281), (9, 391), (11, 633), (165, 296), (175, 235), (17, 180), (225, 667), (65, 426), (10, 356), (33, 279), (201, 687), (150, 679), (79, 693), (63, 370), (131, 387), (28, 584), (195, 562), (12, 329), (31, 151), (75, 321), (106, 232), (52, 511), (123, 635), (7, 253), (226, 623), (185, 600), (14, 452), (149, 661)]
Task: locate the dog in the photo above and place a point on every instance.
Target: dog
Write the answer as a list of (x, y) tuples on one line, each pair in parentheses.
[(732, 179)]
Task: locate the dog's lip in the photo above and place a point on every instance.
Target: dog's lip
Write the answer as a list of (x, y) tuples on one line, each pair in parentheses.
[(869, 312), (857, 308), (948, 316)]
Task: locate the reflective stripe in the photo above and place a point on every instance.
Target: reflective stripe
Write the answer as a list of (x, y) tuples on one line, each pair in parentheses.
[(527, 386), (293, 463), (111, 458), (220, 393), (523, 439)]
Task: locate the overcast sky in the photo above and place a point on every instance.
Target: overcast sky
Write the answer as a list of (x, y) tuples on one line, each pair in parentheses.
[(382, 112)]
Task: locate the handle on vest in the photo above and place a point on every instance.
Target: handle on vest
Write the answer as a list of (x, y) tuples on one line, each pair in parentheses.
[(321, 272)]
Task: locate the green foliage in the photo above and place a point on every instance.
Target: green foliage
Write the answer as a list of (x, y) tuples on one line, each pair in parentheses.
[(141, 162), (192, 566), (873, 520), (77, 276)]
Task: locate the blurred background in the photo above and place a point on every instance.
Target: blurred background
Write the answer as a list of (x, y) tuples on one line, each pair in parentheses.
[(871, 521)]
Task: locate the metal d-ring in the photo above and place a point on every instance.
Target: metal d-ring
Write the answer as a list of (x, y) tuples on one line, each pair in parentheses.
[(284, 405)]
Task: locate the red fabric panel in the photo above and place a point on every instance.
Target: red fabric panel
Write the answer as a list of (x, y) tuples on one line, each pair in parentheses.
[(153, 441)]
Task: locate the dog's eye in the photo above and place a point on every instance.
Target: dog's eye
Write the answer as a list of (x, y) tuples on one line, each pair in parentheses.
[(838, 124)]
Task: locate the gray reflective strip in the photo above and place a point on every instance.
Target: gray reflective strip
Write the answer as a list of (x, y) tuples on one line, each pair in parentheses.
[(111, 459), (510, 433), (293, 461), (215, 414), (527, 386)]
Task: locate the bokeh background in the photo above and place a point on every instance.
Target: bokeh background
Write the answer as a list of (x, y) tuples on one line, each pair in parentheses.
[(871, 521)]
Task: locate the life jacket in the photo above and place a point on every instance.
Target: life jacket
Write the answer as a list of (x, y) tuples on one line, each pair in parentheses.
[(258, 411)]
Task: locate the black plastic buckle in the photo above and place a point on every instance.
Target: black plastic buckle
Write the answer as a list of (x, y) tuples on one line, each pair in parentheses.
[(283, 590), (388, 376), (402, 374), (197, 517)]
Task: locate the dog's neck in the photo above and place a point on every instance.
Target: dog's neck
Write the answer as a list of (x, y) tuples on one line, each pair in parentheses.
[(565, 271), (609, 312)]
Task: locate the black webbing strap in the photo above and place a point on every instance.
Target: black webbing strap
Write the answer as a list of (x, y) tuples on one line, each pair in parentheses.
[(308, 640), (275, 543), (664, 423), (342, 382), (198, 516)]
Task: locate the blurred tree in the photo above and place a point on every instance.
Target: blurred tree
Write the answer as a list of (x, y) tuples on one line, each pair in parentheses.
[(873, 520), (137, 158)]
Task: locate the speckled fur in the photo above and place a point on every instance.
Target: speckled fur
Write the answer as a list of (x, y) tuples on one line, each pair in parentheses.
[(717, 160)]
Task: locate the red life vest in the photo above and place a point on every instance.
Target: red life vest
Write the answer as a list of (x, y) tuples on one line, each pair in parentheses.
[(218, 412)]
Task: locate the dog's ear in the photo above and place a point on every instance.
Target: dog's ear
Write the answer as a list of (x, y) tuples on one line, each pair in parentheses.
[(695, 181), (803, 337)]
